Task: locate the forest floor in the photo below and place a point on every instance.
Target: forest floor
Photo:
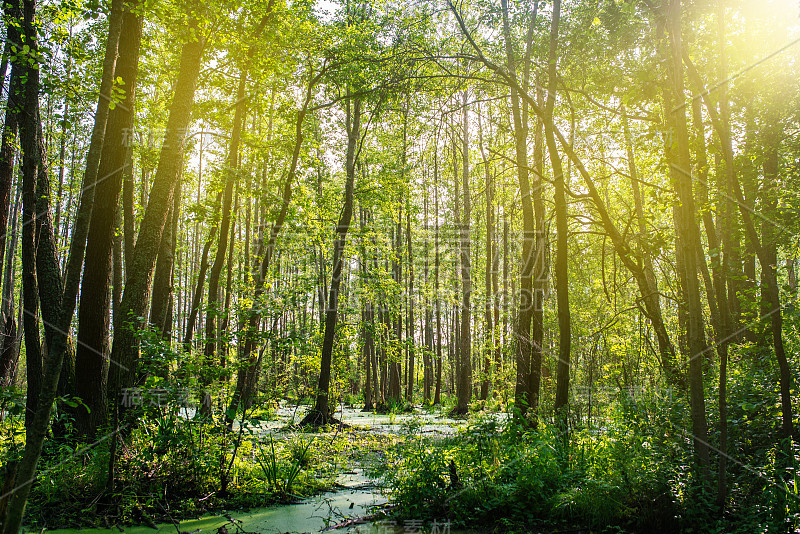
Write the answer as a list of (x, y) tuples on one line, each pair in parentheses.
[(346, 473)]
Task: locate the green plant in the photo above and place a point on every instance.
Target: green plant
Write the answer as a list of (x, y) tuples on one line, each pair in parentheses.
[(278, 477)]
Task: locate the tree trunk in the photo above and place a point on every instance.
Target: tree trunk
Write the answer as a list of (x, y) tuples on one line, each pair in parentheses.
[(428, 333), (213, 309), (367, 326), (411, 304), (223, 327), (437, 393), (489, 341), (250, 360), (464, 358), (562, 229), (10, 353), (410, 311), (91, 358), (197, 294), (396, 349), (162, 279), (125, 348), (680, 172), (62, 149), (13, 14), (526, 392), (320, 413)]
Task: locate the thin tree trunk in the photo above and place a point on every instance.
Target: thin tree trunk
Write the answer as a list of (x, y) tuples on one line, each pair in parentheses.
[(128, 215), (117, 277), (464, 358), (62, 143), (528, 370), (489, 341), (320, 414), (428, 355), (411, 304), (223, 327), (8, 357), (368, 343), (13, 14), (395, 365), (437, 393), (162, 279), (562, 280), (4, 66), (197, 294)]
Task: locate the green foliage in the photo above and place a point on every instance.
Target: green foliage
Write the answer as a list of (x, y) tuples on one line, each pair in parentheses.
[(165, 463), (281, 471), (522, 478)]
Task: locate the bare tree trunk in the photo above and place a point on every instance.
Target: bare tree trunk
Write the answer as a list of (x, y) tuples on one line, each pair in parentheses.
[(410, 257), (223, 327), (437, 393), (498, 351), (62, 149), (165, 265), (10, 353), (428, 335), (411, 304), (4, 65), (367, 326), (30, 290)]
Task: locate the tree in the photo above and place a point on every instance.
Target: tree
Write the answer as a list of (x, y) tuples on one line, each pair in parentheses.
[(320, 413), (125, 347), (91, 358), (562, 229), (464, 358), (529, 350)]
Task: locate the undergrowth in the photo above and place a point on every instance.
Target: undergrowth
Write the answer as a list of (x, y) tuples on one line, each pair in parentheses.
[(629, 474)]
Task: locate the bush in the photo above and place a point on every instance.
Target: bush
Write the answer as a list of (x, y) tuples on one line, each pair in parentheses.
[(494, 474)]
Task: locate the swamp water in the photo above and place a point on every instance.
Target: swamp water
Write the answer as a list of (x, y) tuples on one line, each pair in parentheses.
[(356, 495)]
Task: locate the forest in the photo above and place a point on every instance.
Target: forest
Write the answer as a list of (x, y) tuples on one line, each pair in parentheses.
[(376, 266)]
